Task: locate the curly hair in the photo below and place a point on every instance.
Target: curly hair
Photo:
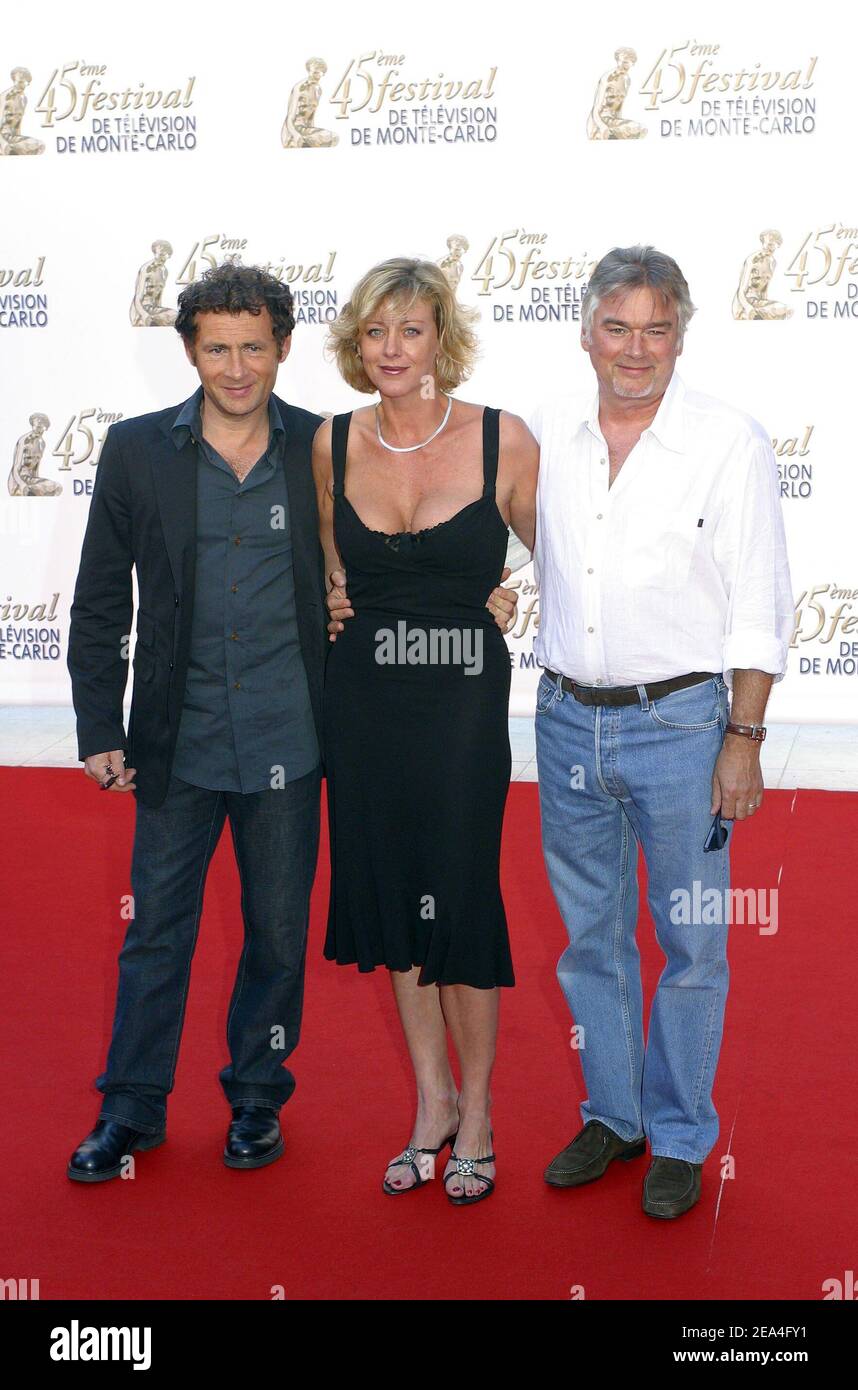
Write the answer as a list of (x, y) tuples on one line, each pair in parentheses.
[(401, 281), (230, 288)]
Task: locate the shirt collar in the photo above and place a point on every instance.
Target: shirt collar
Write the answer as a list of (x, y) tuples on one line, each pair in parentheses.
[(188, 422), (668, 426)]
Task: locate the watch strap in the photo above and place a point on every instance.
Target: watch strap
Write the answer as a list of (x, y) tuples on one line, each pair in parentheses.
[(755, 732)]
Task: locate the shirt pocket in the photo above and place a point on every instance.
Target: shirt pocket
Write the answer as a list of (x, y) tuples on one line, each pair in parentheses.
[(658, 546)]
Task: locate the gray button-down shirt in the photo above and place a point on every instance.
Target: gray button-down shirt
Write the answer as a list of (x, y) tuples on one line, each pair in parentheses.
[(247, 723)]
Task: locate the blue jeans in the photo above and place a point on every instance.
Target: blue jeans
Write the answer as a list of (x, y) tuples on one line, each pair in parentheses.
[(275, 836), (610, 780)]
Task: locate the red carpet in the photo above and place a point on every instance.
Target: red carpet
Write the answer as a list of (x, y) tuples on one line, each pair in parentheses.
[(317, 1222)]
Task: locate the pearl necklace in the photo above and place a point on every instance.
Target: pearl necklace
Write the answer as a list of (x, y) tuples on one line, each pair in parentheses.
[(410, 448)]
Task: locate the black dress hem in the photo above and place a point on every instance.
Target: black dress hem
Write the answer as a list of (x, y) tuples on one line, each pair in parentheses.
[(404, 969)]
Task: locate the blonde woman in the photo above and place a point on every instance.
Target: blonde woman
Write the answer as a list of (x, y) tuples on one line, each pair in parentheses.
[(416, 492)]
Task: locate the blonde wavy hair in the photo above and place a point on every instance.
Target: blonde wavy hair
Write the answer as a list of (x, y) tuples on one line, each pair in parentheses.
[(401, 281)]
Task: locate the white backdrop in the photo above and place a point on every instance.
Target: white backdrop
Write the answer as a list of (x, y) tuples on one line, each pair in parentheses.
[(165, 124)]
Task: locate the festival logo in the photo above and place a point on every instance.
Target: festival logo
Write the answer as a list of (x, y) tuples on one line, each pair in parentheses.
[(25, 479), (312, 281), (13, 104), (19, 641), (823, 269), (752, 299), (794, 471), (300, 131), (85, 117), (380, 102), (522, 275), (23, 302), (451, 264), (78, 445), (146, 309), (606, 120), (699, 93), (827, 617)]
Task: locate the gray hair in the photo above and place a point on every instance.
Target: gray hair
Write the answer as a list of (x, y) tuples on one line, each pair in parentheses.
[(632, 268)]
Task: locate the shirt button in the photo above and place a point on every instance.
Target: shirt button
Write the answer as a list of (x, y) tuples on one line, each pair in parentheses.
[(234, 636), (237, 685), (603, 462), (591, 629), (598, 518), (589, 571), (234, 589), (238, 540)]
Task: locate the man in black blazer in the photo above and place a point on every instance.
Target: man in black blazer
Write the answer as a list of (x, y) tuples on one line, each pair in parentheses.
[(213, 503)]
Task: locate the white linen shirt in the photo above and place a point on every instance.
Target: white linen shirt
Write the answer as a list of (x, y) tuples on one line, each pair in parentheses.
[(680, 565)]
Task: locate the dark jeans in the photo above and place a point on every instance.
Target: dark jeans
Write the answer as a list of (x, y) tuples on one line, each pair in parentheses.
[(275, 834)]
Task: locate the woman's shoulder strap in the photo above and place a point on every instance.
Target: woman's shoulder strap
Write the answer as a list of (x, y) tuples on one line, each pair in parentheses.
[(491, 444), (339, 444)]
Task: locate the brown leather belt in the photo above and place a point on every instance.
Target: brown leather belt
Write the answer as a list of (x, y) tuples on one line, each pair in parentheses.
[(628, 694)]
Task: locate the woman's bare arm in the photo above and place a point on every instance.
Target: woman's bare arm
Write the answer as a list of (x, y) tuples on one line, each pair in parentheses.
[(518, 469), (323, 473), (324, 479)]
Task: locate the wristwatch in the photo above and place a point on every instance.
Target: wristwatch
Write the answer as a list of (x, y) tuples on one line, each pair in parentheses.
[(755, 732)]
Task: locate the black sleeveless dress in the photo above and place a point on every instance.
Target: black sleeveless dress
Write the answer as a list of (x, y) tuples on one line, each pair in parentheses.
[(417, 752)]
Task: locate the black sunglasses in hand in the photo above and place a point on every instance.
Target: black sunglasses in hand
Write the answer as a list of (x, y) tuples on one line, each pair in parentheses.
[(718, 834)]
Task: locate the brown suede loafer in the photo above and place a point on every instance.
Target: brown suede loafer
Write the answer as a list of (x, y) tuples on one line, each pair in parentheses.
[(588, 1155), (671, 1187)]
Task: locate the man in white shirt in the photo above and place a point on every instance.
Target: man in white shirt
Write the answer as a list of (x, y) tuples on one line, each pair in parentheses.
[(661, 559)]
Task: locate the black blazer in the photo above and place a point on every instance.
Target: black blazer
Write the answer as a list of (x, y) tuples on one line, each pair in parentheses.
[(144, 513)]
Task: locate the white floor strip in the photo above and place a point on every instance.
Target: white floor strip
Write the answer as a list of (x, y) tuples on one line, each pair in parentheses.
[(793, 755)]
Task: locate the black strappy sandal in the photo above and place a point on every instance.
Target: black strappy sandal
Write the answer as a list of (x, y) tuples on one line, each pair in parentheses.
[(408, 1160), (465, 1169)]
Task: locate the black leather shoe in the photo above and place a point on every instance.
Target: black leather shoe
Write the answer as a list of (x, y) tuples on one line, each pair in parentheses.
[(100, 1155), (671, 1187), (588, 1155), (254, 1137)]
